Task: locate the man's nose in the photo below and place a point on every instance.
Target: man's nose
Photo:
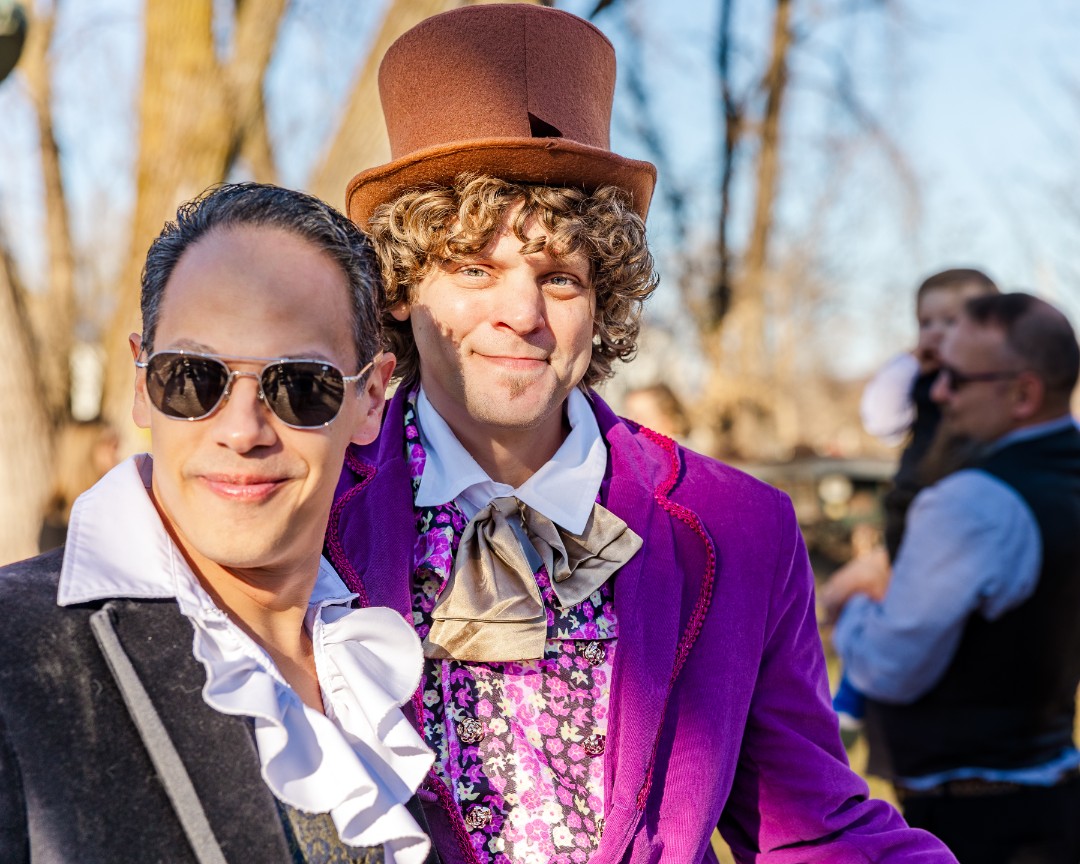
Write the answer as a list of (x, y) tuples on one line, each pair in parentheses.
[(243, 422), (520, 305)]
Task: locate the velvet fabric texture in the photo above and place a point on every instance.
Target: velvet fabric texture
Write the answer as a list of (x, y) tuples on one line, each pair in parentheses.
[(76, 783), (720, 710), (517, 91)]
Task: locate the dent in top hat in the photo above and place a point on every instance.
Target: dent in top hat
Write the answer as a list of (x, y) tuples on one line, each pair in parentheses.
[(516, 91)]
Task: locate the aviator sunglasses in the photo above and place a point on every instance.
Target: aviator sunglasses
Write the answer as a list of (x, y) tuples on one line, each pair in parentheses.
[(304, 394)]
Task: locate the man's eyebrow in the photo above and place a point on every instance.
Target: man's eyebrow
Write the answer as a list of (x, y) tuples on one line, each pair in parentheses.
[(192, 345), (201, 348)]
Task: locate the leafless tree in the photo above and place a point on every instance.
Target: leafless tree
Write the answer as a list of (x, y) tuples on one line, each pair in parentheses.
[(737, 293)]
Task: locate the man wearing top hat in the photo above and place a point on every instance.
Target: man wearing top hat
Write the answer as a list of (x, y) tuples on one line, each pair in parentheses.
[(620, 639)]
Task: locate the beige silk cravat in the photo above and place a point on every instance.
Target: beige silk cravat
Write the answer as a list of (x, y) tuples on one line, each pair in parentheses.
[(491, 610)]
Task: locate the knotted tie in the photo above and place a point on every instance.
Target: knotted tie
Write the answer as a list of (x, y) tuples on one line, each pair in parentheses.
[(491, 610)]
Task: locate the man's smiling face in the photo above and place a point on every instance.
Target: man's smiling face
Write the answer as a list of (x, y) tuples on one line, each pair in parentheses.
[(240, 488), (503, 337)]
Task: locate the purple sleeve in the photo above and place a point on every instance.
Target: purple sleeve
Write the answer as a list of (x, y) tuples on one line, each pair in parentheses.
[(794, 798)]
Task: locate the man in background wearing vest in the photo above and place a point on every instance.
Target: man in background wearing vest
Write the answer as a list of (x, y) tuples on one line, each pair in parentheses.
[(971, 651)]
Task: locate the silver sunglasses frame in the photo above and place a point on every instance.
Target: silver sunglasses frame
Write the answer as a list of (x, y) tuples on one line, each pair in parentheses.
[(267, 362)]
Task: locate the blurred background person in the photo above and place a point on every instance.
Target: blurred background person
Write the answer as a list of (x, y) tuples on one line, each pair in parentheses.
[(897, 408), (968, 651), (85, 451), (657, 407)]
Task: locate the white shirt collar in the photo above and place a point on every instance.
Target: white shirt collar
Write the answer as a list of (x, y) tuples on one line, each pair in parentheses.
[(362, 760), (564, 489)]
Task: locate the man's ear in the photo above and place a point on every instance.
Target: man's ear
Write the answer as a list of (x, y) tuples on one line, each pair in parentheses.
[(1030, 395), (374, 398), (140, 409)]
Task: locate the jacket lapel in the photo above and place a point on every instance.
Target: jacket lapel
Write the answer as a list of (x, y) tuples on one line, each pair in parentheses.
[(372, 526), (218, 751), (645, 655)]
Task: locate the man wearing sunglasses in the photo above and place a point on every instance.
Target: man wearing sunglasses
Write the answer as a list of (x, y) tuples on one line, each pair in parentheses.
[(188, 680), (620, 641), (971, 651)]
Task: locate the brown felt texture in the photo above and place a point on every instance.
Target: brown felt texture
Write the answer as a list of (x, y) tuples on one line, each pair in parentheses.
[(517, 91)]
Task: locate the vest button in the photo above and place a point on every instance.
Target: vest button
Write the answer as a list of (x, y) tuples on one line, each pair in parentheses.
[(594, 744), (470, 730), (478, 817), (593, 652)]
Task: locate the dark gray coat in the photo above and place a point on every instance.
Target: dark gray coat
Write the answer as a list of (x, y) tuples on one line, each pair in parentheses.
[(76, 782)]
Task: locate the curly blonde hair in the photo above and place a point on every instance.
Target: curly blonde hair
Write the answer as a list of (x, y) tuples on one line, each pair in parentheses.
[(432, 225)]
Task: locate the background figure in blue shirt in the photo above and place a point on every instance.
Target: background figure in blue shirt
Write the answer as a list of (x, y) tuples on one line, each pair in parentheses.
[(896, 407), (971, 656)]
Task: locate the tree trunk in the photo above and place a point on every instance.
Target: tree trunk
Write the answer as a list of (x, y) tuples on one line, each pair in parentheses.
[(59, 299), (196, 116), (257, 24), (360, 141), (37, 366), (743, 387), (756, 260), (720, 292), (24, 428)]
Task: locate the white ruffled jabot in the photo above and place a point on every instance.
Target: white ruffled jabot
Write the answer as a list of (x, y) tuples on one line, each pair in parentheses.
[(360, 769)]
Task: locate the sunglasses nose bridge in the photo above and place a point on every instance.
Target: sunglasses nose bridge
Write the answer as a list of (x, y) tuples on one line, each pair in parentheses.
[(236, 373)]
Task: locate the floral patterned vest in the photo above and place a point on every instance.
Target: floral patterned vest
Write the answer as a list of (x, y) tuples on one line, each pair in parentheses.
[(519, 745)]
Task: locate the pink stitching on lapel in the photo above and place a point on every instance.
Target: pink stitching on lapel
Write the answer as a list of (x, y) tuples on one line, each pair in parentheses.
[(697, 617), (333, 536), (446, 800)]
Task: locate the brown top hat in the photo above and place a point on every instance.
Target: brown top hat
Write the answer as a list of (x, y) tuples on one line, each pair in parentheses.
[(517, 91)]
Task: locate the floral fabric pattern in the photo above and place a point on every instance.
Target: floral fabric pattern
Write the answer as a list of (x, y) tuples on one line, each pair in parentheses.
[(519, 745)]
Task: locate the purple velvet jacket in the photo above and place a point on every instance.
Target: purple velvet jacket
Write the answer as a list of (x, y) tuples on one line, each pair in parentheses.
[(720, 711)]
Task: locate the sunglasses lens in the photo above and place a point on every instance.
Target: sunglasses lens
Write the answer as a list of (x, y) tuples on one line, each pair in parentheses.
[(303, 393), (184, 386)]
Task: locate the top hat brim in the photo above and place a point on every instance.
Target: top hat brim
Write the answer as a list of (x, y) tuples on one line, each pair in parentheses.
[(547, 161)]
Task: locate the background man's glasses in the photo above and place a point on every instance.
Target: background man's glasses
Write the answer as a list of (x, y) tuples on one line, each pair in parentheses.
[(956, 380), (304, 394)]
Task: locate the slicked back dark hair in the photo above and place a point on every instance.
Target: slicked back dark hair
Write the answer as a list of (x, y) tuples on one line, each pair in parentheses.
[(1036, 332), (262, 205)]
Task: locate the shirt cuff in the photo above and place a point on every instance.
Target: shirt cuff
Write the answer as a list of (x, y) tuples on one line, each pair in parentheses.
[(850, 625)]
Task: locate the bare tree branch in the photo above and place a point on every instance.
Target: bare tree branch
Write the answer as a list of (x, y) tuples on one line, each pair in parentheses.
[(647, 125), (721, 291), (847, 95), (360, 140), (257, 25)]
